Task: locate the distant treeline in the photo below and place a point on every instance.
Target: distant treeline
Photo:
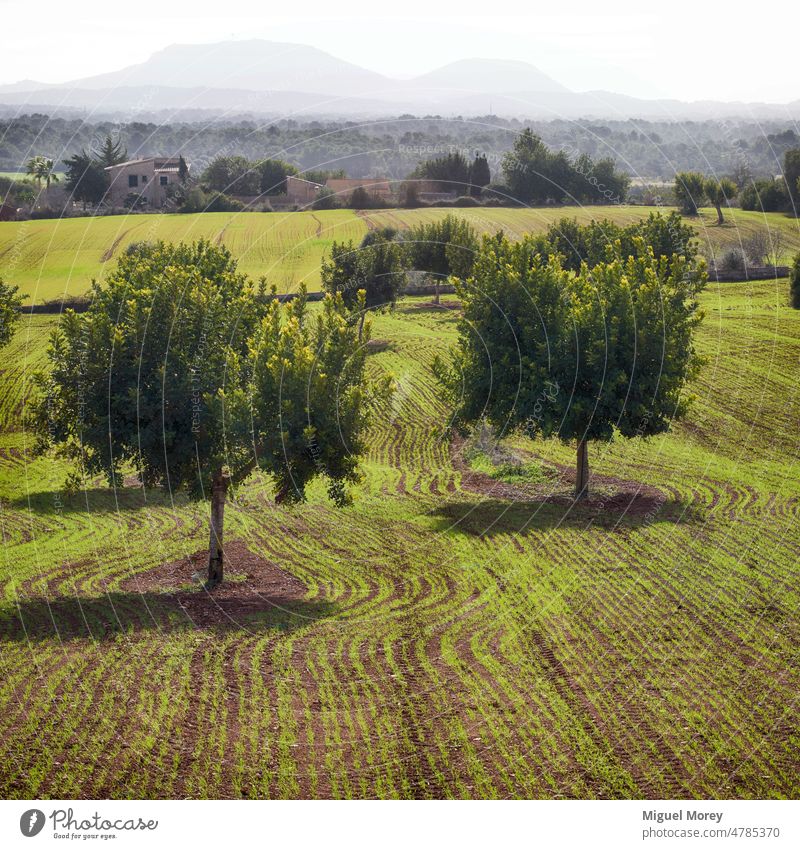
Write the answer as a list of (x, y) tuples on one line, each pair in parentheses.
[(646, 150)]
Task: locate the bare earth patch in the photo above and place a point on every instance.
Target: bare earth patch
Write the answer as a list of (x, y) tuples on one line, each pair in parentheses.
[(252, 585)]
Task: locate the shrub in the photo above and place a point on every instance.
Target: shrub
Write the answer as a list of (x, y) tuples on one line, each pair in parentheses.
[(466, 200), (794, 283), (732, 260), (134, 201), (199, 201), (326, 199), (45, 212), (766, 195), (690, 191)]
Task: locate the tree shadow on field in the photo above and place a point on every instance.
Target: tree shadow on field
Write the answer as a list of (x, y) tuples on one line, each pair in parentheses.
[(118, 614), (256, 596), (619, 512), (98, 499)]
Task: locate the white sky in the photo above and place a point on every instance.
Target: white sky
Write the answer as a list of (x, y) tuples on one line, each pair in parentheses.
[(627, 47)]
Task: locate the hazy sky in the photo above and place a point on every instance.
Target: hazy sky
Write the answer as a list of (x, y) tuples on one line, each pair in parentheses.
[(622, 46)]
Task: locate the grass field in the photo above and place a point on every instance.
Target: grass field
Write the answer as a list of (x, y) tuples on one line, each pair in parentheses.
[(52, 258), (456, 632)]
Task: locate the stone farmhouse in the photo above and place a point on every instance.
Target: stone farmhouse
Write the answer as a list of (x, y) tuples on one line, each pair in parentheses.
[(149, 178), (300, 191)]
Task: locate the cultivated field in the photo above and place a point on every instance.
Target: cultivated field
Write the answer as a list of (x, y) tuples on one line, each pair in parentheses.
[(49, 259), (461, 631)]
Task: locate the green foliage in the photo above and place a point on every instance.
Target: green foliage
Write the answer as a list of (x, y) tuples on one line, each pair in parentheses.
[(232, 175), (690, 191), (451, 172), (197, 200), (377, 267), (720, 192), (178, 370), (794, 283), (765, 196), (535, 174), (273, 173), (112, 152), (598, 241), (360, 199), (325, 199), (9, 315), (320, 175), (480, 175), (531, 171), (308, 402), (140, 378), (575, 355), (183, 170), (41, 169), (791, 173), (443, 248), (85, 179)]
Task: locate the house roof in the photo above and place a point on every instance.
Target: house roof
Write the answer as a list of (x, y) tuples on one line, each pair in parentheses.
[(160, 163), (301, 180), (343, 184)]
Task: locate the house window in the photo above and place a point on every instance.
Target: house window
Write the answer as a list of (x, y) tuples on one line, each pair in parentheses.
[(144, 178), (163, 180), (133, 181)]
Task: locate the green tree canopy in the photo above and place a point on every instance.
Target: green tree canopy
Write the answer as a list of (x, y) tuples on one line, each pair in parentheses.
[(577, 355), (85, 179), (273, 173), (233, 175), (167, 371), (690, 191), (591, 243), (41, 169), (480, 174), (451, 172), (536, 174), (442, 248), (794, 283), (791, 172), (112, 152), (9, 315), (377, 267), (720, 192)]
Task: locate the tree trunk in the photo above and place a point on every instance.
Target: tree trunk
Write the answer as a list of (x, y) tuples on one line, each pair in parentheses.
[(436, 293), (582, 471), (720, 218), (216, 557)]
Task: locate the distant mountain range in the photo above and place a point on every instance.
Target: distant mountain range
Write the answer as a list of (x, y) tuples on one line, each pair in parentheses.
[(272, 78)]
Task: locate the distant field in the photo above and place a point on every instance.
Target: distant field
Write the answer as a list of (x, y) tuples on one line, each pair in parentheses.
[(53, 258), (13, 175)]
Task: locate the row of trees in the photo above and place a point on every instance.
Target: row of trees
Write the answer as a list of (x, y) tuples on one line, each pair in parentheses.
[(693, 189), (598, 320), (535, 174), (653, 150), (190, 374), (452, 172), (237, 175), (380, 264), (532, 174)]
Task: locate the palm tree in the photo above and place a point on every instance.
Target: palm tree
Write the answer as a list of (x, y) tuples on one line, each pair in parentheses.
[(41, 169)]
